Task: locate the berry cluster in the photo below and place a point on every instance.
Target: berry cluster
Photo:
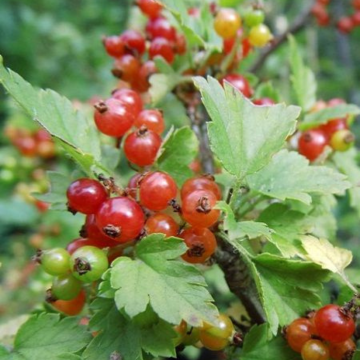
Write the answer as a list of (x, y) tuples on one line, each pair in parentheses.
[(345, 24), (324, 334), (32, 143), (335, 133), (213, 337)]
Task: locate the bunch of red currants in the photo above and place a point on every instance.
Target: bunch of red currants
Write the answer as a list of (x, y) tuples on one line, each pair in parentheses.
[(324, 334)]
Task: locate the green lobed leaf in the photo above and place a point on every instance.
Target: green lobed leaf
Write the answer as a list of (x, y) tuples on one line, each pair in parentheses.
[(177, 152), (288, 288), (57, 115), (242, 229), (174, 112), (303, 79), (346, 163), (127, 338), (45, 337), (161, 85), (258, 346), (58, 184), (329, 257), (175, 290), (243, 136), (317, 118), (290, 176)]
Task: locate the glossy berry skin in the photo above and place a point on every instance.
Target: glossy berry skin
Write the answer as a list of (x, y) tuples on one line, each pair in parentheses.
[(133, 185), (65, 287), (133, 41), (343, 350), (312, 143), (239, 82), (161, 223), (254, 17), (126, 67), (332, 325), (147, 69), (141, 147), (162, 47), (259, 35), (88, 263), (114, 46), (55, 261), (264, 101), (71, 307), (333, 126), (152, 119), (156, 190), (198, 208), (299, 332), (201, 183), (130, 98), (201, 243), (217, 337), (113, 117), (180, 44), (342, 140), (150, 8), (227, 22), (81, 242), (315, 350), (85, 195), (121, 218), (92, 232), (160, 27)]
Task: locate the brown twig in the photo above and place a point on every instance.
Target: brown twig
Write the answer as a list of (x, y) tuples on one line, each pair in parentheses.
[(297, 26)]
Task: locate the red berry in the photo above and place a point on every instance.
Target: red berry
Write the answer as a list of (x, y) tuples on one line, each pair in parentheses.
[(141, 147), (147, 69), (133, 185), (96, 242), (26, 145), (298, 333), (150, 8), (161, 27), (194, 12), (323, 2), (315, 350), (201, 183), (162, 47), (198, 208), (180, 44), (42, 135), (71, 307), (86, 195), (335, 102), (126, 67), (246, 47), (343, 350), (161, 223), (130, 98), (356, 4), (114, 46), (151, 119), (312, 143), (264, 101), (345, 25), (201, 243), (134, 42), (333, 126), (156, 190), (333, 324), (121, 218), (113, 117), (92, 232), (239, 82), (318, 10), (356, 18)]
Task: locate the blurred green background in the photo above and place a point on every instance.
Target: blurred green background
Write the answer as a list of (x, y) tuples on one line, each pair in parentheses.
[(57, 44)]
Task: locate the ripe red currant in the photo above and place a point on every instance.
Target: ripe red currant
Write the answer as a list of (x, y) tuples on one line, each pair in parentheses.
[(343, 350), (162, 47), (81, 242), (204, 182), (92, 232), (141, 147), (152, 119), (88, 263), (201, 243), (239, 82), (147, 69), (71, 307), (85, 196), (126, 67), (198, 208), (113, 117), (227, 22), (161, 223), (156, 190), (133, 41), (334, 324), (264, 101), (345, 25), (130, 98), (333, 126), (312, 143), (160, 27), (180, 44), (299, 332), (121, 218), (114, 46), (150, 8), (315, 350), (133, 185)]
